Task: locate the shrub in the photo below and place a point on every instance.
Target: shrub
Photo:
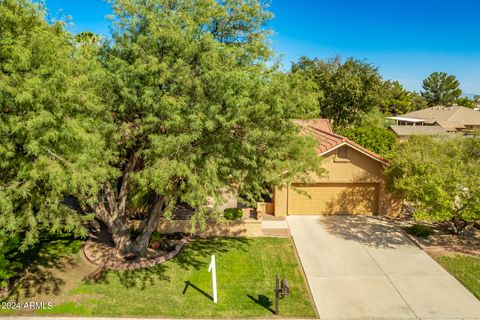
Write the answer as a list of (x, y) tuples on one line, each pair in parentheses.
[(233, 213), (420, 230), (157, 237)]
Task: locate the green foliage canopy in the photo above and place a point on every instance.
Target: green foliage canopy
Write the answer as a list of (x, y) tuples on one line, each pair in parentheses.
[(438, 176), (347, 90), (398, 100), (376, 139), (466, 102), (53, 126), (440, 88)]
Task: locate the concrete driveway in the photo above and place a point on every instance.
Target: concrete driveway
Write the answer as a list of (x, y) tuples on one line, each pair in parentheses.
[(363, 268)]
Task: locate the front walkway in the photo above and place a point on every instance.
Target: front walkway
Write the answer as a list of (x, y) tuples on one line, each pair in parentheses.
[(275, 228), (360, 267)]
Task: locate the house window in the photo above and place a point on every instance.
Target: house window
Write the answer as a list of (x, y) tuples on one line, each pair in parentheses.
[(342, 153)]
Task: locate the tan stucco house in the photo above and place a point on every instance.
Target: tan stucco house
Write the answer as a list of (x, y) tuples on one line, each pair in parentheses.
[(354, 183)]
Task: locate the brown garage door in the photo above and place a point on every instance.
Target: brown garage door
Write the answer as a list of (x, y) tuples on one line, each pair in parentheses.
[(333, 198)]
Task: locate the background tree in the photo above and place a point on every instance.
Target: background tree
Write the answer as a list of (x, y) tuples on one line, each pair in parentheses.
[(476, 99), (441, 88), (53, 127), (374, 118), (376, 139), (347, 90), (439, 178), (398, 100), (466, 102)]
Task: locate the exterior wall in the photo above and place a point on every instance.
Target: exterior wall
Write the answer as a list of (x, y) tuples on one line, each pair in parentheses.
[(472, 127), (280, 197), (358, 168), (269, 208), (238, 228)]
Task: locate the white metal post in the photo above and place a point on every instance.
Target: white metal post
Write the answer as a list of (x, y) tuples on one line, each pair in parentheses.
[(212, 268)]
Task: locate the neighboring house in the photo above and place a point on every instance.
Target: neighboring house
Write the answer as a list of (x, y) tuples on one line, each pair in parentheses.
[(403, 132), (354, 183), (456, 119)]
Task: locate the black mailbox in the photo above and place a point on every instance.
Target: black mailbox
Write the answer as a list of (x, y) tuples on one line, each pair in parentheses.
[(285, 288), (282, 289)]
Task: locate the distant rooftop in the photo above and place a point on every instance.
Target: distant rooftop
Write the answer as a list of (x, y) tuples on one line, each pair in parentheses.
[(403, 131), (402, 118), (459, 115)]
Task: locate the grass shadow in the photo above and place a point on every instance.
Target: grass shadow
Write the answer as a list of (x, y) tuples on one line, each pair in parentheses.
[(193, 254), (263, 301), (138, 279), (188, 284), (40, 264)]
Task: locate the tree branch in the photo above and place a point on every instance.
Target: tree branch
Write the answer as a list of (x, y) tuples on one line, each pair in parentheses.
[(53, 154), (100, 210), (110, 194), (124, 188)]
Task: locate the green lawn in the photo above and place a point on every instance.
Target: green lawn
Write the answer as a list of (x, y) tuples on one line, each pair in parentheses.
[(466, 269), (181, 287)]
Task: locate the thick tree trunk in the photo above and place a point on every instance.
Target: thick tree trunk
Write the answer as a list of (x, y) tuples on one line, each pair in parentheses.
[(114, 215), (115, 220), (121, 235), (140, 244), (117, 223)]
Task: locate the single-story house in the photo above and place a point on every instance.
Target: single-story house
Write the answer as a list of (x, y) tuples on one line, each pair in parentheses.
[(403, 132), (451, 119), (354, 183)]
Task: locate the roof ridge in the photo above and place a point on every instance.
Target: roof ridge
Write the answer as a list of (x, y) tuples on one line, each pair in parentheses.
[(454, 113), (329, 133), (346, 140)]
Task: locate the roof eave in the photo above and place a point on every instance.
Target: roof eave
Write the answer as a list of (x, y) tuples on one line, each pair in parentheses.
[(379, 159)]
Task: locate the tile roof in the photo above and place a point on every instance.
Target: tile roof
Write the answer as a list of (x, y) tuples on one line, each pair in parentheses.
[(416, 130), (320, 124), (322, 131)]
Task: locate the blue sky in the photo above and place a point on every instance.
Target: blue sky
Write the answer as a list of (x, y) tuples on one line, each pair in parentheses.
[(406, 39)]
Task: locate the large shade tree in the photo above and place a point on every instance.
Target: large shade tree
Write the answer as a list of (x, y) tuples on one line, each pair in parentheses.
[(441, 88), (181, 105), (347, 90)]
